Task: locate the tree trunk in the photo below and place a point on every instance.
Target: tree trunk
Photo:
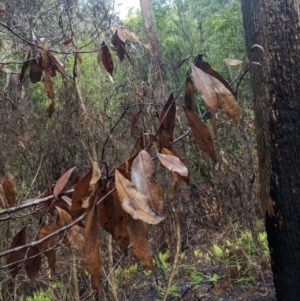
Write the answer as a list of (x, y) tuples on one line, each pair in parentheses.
[(150, 26), (276, 87)]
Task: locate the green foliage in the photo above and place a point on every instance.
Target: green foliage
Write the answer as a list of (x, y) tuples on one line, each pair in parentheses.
[(39, 296)]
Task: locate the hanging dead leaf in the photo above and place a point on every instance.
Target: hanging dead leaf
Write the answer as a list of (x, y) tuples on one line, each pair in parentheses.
[(189, 94), (134, 119), (125, 168), (104, 57), (205, 67), (205, 88), (18, 240), (62, 181), (226, 101), (8, 187), (173, 164), (168, 123), (119, 46), (35, 72), (48, 244), (91, 250), (134, 202), (48, 86), (133, 36), (58, 65), (85, 189), (141, 173), (138, 233), (201, 133), (114, 219), (67, 42), (232, 62), (33, 265), (73, 235), (121, 34)]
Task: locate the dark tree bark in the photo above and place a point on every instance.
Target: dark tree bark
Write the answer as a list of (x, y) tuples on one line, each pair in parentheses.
[(274, 24)]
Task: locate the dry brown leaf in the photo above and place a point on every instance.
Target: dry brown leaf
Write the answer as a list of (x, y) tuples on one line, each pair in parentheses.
[(58, 65), (73, 234), (18, 240), (201, 133), (125, 168), (67, 42), (173, 164), (35, 72), (226, 101), (134, 119), (104, 57), (141, 173), (205, 88), (32, 266), (91, 250), (257, 46), (48, 244), (133, 36), (168, 123), (119, 46), (134, 202), (208, 70), (8, 187), (138, 233), (85, 189), (48, 85), (121, 34), (114, 219), (232, 62), (62, 181), (189, 94)]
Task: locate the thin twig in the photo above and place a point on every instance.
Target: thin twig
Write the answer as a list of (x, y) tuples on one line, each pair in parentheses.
[(36, 174)]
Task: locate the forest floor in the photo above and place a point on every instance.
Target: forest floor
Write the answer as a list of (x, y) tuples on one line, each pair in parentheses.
[(217, 269)]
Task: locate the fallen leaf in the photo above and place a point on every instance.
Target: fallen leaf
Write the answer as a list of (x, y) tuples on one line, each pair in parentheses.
[(62, 181), (201, 133), (134, 202)]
